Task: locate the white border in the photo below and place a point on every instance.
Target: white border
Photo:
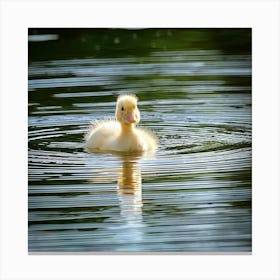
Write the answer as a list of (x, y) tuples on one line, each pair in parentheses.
[(262, 16)]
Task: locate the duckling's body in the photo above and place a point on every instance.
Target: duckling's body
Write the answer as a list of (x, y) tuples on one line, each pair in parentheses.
[(121, 135)]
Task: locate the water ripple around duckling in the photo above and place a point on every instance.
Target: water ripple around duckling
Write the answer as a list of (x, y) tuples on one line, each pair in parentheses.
[(193, 195)]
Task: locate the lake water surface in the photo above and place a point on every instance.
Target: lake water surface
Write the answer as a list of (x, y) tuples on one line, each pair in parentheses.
[(192, 195)]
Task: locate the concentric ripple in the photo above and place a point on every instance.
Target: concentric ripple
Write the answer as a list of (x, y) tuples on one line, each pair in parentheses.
[(193, 195)]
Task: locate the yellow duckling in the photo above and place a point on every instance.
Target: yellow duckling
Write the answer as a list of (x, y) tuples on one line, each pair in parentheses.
[(121, 135)]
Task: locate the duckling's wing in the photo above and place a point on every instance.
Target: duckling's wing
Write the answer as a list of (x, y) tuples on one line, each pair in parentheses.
[(92, 126), (97, 125), (150, 138), (102, 133)]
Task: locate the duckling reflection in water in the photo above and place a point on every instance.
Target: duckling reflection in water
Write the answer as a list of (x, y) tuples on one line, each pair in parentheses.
[(130, 198), (129, 182), (129, 190), (121, 135), (130, 186)]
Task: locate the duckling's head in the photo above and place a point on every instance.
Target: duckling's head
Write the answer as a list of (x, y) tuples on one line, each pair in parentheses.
[(126, 111)]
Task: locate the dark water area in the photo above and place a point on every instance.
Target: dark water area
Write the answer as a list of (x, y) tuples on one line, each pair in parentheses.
[(194, 88)]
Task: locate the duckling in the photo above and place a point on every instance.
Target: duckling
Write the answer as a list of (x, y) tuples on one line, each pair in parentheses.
[(121, 134)]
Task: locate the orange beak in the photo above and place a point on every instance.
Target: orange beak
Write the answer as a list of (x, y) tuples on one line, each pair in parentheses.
[(130, 118)]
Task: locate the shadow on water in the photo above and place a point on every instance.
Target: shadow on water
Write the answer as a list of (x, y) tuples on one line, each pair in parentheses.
[(194, 89)]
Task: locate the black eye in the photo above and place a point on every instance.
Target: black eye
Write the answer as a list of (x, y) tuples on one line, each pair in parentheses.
[(122, 108)]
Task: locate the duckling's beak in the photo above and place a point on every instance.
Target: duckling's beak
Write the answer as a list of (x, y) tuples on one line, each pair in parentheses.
[(130, 117)]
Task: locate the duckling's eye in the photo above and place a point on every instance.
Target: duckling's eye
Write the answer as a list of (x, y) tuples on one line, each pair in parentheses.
[(122, 109)]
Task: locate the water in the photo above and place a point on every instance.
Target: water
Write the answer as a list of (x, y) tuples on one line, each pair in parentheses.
[(192, 195)]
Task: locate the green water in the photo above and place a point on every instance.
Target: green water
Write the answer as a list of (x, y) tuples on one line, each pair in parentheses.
[(194, 89)]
